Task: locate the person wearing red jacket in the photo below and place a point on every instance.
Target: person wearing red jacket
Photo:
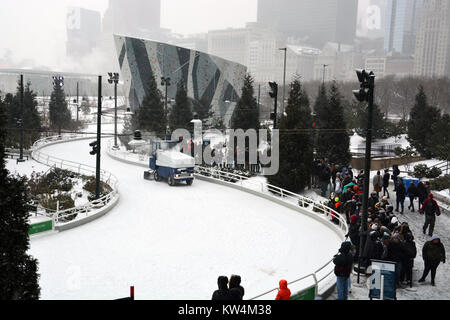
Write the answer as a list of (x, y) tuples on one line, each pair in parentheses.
[(284, 293), (431, 210)]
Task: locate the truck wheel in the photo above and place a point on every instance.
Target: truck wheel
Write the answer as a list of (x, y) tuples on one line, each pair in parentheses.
[(189, 182), (171, 181), (156, 175)]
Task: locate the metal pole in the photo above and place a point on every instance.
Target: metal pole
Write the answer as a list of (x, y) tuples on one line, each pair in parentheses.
[(284, 79), (165, 107), (21, 118), (99, 133), (365, 203), (115, 115), (78, 104), (276, 113), (323, 77)]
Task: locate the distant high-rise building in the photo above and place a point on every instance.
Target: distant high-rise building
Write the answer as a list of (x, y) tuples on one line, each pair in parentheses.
[(372, 18), (402, 21), (315, 21), (432, 51), (83, 31), (139, 18)]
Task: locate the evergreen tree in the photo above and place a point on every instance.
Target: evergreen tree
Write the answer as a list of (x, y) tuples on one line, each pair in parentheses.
[(379, 124), (181, 114), (18, 271), (337, 141), (150, 116), (60, 116), (420, 125), (439, 141), (203, 110), (296, 153), (31, 118), (246, 114)]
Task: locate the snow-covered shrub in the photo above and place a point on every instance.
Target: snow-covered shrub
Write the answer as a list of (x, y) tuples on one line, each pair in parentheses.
[(441, 183), (420, 171), (433, 173)]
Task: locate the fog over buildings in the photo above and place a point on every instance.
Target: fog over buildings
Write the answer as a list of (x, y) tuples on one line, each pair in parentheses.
[(324, 39)]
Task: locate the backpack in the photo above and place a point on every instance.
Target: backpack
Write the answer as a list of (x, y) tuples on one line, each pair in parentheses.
[(430, 208)]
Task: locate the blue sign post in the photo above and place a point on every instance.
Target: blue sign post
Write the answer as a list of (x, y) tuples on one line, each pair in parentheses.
[(382, 280)]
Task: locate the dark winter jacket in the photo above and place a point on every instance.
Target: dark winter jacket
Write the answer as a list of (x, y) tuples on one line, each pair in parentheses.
[(430, 207), (401, 192), (421, 191), (396, 171), (223, 293), (412, 190), (236, 290), (325, 173), (372, 249), (396, 252), (343, 261), (386, 178), (410, 249), (433, 251), (372, 202), (284, 293)]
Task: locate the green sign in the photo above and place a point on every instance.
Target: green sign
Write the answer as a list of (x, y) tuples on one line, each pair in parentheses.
[(40, 227), (307, 294)]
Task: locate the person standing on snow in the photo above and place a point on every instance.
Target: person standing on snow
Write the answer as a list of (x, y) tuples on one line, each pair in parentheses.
[(284, 293), (222, 293), (236, 290), (431, 210), (401, 195), (412, 192), (386, 178), (377, 183), (410, 254), (433, 253), (343, 267)]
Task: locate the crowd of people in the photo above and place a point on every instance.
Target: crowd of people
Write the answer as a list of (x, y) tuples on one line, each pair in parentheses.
[(384, 237)]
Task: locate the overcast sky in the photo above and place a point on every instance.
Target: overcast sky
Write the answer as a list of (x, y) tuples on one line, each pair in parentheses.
[(37, 28)]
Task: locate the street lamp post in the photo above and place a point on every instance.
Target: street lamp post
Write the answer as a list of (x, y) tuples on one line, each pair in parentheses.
[(165, 81), (323, 76), (365, 93), (114, 78), (20, 121), (284, 79), (58, 82)]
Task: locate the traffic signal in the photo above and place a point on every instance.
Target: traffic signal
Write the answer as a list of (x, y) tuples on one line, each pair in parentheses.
[(274, 88), (366, 81), (137, 135), (58, 81), (94, 146)]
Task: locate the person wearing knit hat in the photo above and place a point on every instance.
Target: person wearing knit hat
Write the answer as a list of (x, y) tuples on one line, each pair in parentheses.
[(433, 253)]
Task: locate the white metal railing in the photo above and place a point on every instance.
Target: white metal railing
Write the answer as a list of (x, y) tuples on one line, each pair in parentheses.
[(318, 208), (63, 216)]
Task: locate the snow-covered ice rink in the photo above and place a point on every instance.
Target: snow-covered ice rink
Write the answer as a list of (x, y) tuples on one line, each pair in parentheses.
[(173, 242)]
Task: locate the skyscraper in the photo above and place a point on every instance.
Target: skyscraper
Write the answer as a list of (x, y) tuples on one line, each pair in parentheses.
[(315, 21), (432, 51), (402, 21), (139, 18), (83, 31)]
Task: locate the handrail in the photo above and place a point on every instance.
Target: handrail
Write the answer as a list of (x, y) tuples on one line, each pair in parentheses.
[(284, 194), (48, 160)]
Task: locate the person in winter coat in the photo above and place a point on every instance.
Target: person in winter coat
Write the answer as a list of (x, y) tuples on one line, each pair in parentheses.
[(401, 195), (396, 254), (343, 267), (222, 293), (412, 194), (433, 253), (371, 249), (337, 186), (324, 178), (386, 178), (421, 193), (373, 200), (431, 210), (377, 183), (395, 174), (410, 250), (353, 233), (284, 293), (236, 290)]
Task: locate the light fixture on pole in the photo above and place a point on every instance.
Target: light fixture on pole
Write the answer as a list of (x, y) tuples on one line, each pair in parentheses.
[(284, 78), (114, 79), (165, 81)]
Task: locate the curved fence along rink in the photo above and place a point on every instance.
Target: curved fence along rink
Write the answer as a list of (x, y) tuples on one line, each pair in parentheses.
[(321, 280), (93, 209)]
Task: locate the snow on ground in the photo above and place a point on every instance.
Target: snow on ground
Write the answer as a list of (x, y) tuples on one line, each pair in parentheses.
[(173, 242), (422, 291)]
